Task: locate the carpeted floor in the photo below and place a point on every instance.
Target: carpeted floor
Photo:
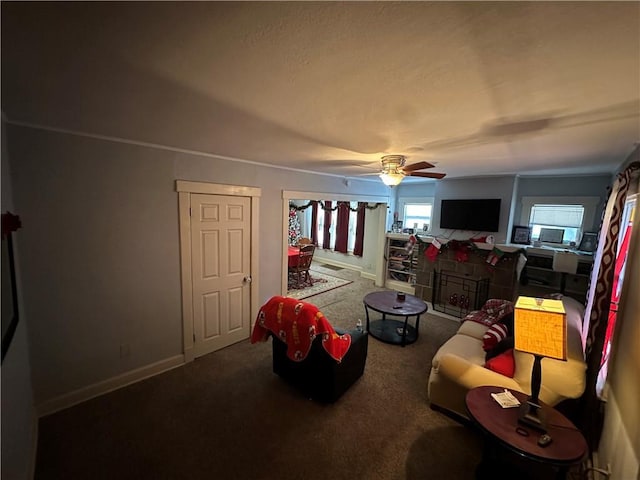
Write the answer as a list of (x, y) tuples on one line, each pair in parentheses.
[(227, 416)]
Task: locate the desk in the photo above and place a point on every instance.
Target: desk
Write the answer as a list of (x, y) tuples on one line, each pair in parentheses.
[(498, 424), (292, 255), (394, 331), (539, 277)]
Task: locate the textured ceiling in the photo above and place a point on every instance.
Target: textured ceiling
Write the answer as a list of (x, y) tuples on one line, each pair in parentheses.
[(477, 88)]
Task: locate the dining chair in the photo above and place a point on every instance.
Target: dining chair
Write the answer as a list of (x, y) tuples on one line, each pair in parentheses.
[(304, 241), (301, 268)]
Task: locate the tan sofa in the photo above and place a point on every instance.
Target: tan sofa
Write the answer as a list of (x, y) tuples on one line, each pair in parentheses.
[(458, 366)]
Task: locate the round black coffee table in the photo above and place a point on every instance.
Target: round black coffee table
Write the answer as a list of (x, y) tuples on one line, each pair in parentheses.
[(393, 331)]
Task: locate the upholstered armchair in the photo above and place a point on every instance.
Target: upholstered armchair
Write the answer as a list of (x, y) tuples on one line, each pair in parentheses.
[(319, 376), (308, 353)]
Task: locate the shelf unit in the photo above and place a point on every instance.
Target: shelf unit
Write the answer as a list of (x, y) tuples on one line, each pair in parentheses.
[(470, 293), (400, 264), (538, 277)]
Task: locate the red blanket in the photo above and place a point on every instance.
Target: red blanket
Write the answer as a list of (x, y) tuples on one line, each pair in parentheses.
[(297, 323)]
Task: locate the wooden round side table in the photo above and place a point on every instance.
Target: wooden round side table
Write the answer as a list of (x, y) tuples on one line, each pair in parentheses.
[(503, 433)]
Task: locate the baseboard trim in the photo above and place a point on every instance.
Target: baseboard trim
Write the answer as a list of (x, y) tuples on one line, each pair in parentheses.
[(91, 391), (368, 275), (336, 263), (347, 266)]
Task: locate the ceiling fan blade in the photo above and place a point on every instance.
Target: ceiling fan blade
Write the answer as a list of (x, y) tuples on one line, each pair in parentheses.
[(417, 166), (427, 175)]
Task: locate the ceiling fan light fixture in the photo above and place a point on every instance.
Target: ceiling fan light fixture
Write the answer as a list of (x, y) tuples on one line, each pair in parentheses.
[(391, 163), (391, 179)]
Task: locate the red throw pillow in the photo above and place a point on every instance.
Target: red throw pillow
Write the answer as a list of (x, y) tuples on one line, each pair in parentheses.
[(495, 333), (503, 364)]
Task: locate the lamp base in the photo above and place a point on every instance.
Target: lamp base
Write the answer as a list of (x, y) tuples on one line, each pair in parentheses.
[(532, 415)]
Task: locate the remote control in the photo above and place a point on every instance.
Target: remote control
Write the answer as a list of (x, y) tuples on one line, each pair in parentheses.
[(544, 440)]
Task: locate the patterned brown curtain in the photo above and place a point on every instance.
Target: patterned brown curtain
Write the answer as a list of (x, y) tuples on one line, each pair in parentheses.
[(314, 222), (342, 227), (359, 244), (326, 239), (599, 297)]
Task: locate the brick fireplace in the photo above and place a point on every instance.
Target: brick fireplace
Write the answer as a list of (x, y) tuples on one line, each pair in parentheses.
[(502, 277)]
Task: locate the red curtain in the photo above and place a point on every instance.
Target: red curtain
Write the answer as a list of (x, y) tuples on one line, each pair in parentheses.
[(358, 246), (314, 222), (326, 239), (597, 313), (621, 260), (342, 227)]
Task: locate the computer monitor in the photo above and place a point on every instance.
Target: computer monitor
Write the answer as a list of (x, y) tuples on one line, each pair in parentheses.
[(551, 235)]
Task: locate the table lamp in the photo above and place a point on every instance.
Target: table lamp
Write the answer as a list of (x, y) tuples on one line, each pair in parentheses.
[(540, 328)]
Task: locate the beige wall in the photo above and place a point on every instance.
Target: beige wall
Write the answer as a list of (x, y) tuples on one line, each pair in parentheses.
[(101, 248), (18, 414)]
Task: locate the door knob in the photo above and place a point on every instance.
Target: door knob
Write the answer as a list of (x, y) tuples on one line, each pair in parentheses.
[(247, 279)]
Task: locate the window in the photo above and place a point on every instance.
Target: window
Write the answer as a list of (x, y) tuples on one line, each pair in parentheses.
[(353, 217), (564, 220), (417, 213), (555, 216), (321, 227)]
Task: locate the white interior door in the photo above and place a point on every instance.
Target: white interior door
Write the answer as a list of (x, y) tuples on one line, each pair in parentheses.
[(220, 260)]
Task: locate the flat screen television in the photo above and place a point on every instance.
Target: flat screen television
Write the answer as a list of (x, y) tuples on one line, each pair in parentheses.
[(481, 214)]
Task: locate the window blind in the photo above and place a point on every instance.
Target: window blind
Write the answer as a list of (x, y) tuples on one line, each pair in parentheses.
[(557, 215)]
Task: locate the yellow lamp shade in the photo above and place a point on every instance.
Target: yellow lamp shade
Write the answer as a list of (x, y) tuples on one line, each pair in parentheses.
[(540, 327)]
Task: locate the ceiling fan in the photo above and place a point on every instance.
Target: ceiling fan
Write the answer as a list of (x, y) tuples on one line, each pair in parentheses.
[(394, 170)]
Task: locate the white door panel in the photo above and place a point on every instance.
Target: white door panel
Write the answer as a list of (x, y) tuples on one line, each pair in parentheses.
[(220, 233), (210, 246), (211, 315)]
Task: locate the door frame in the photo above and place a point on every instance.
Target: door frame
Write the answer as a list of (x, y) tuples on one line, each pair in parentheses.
[(185, 188), (288, 195)]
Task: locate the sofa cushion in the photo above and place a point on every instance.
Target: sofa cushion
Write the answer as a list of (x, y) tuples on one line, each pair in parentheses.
[(472, 329), (494, 334), (463, 346), (503, 364)]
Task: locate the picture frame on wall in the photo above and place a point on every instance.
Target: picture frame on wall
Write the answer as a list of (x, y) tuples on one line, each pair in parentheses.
[(588, 242), (521, 235)]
